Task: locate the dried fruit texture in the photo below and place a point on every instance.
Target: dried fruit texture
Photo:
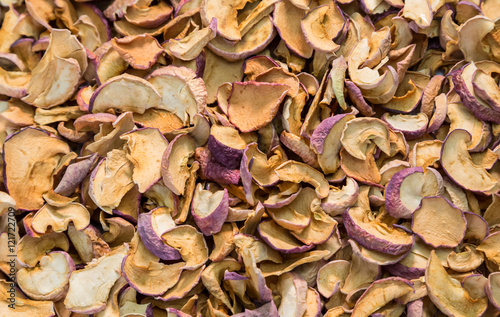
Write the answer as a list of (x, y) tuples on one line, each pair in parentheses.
[(250, 157)]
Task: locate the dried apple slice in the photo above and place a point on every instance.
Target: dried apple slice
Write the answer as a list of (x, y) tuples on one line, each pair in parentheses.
[(58, 218), (218, 71), (148, 16), (486, 88), (339, 199), (260, 251), (30, 157), (226, 144), (57, 267), (379, 294), (493, 289), (190, 243), (296, 172), (191, 46), (111, 180), (324, 141), (182, 93), (254, 41), (226, 15), (447, 294), (110, 95), (140, 51), (145, 148), (293, 290), (248, 113), (321, 26), (174, 166), (331, 277), (477, 28), (279, 75), (89, 288), (398, 200), (412, 126), (88, 243), (213, 275), (296, 215), (374, 234), (151, 226), (280, 239), (287, 19), (145, 273), (419, 11), (23, 306), (428, 224), (362, 134), (489, 246), (457, 163), (209, 209), (462, 118)]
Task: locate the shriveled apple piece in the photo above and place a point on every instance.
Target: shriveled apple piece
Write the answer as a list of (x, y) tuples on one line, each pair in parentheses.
[(331, 277), (111, 180), (260, 251), (293, 290), (439, 223), (191, 46), (295, 215), (162, 120), (58, 218), (174, 166), (380, 293), (48, 280), (89, 288), (321, 26), (30, 157), (280, 239), (223, 242), (110, 95), (324, 141), (151, 226), (248, 113), (361, 273), (187, 281), (287, 19), (398, 200), (489, 246), (213, 275), (279, 75), (412, 126), (296, 172), (254, 41), (466, 260), (190, 243), (225, 12), (486, 88), (339, 199), (23, 306), (373, 233), (493, 289), (362, 134), (462, 118), (209, 209), (140, 51), (457, 163), (145, 273), (148, 16), (89, 243), (447, 294), (182, 93), (64, 62), (213, 76), (477, 28), (319, 229), (145, 148), (226, 144), (418, 11)]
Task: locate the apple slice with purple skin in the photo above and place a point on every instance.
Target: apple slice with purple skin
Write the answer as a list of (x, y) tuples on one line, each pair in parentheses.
[(209, 209)]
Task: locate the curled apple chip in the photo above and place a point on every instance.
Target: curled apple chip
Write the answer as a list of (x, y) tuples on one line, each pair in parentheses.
[(111, 180), (489, 246), (209, 209), (58, 218), (182, 93), (190, 243), (226, 15), (55, 267), (295, 215), (192, 45), (145, 273), (373, 233), (110, 95), (89, 288), (63, 62), (293, 290), (254, 41), (321, 26), (428, 223), (174, 166), (89, 243), (280, 239), (362, 134), (457, 163), (287, 18), (248, 113), (151, 226), (412, 126), (462, 118), (296, 172), (339, 199), (133, 48), (331, 277), (398, 202), (23, 306), (145, 149), (226, 144), (447, 294), (30, 157), (381, 293), (493, 289)]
